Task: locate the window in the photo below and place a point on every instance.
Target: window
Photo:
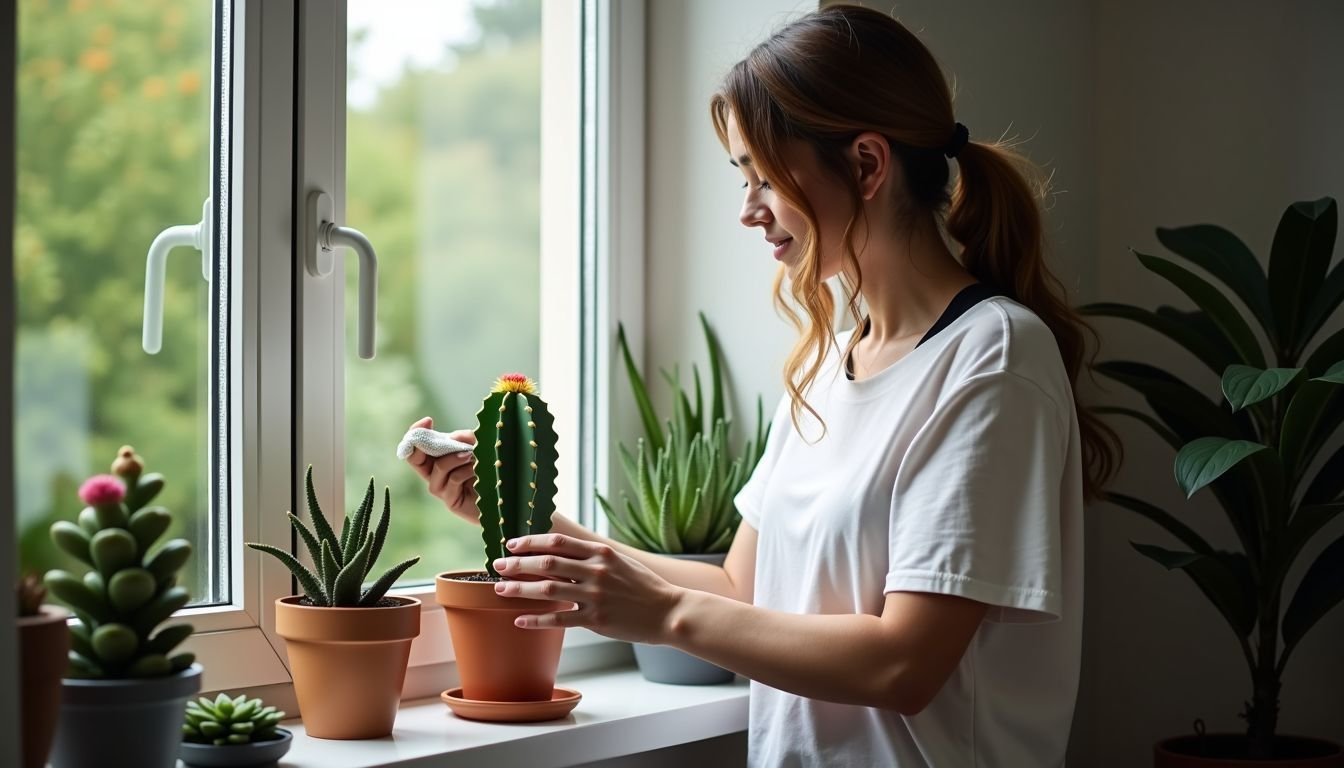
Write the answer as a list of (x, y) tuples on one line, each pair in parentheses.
[(114, 132), (471, 141)]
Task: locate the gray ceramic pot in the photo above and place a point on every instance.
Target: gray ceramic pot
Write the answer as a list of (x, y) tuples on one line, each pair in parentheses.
[(665, 664), (237, 755), (111, 723)]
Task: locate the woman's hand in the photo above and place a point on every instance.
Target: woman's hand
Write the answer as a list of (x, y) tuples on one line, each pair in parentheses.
[(614, 594), (452, 477)]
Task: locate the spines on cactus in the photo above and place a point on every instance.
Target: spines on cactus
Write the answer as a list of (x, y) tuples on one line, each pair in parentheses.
[(341, 563), (515, 464), (224, 721), (131, 588)]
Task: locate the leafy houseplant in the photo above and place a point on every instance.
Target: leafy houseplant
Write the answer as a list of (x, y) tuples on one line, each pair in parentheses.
[(348, 645), (684, 481), (1258, 457), (515, 465), (44, 642), (234, 731), (123, 675)]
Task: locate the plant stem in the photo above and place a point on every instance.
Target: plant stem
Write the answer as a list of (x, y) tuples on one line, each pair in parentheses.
[(1262, 716)]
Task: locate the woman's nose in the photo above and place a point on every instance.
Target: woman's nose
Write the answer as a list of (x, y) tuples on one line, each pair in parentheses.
[(754, 213)]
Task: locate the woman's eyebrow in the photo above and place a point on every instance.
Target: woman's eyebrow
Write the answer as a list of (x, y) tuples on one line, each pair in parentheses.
[(743, 160)]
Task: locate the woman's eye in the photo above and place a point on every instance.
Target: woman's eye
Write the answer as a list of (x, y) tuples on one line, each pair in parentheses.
[(763, 185)]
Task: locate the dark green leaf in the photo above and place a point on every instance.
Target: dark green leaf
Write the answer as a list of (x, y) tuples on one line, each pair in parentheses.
[(1244, 385), (1214, 355), (1221, 576), (1304, 428), (307, 580), (1180, 406), (320, 524), (1333, 375), (379, 588), (1308, 521), (1327, 301), (1299, 258), (715, 371), (1328, 353), (1214, 303), (1181, 531), (380, 532), (652, 432), (1329, 482), (1321, 589), (1221, 253), (1160, 429)]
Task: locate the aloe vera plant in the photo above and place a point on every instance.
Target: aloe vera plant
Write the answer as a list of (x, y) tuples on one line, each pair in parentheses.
[(225, 720), (343, 562), (683, 479), (515, 464), (1257, 455), (131, 587)]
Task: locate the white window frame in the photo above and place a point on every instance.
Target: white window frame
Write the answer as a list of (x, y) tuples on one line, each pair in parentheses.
[(288, 138)]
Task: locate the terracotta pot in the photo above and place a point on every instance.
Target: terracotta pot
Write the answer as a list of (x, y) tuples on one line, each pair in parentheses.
[(44, 642), (496, 660), (348, 664), (1225, 750)]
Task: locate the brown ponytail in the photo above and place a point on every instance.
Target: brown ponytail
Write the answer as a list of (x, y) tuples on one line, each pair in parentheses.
[(789, 87)]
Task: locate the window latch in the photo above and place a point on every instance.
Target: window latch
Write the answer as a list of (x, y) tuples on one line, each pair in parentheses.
[(198, 236), (326, 236)]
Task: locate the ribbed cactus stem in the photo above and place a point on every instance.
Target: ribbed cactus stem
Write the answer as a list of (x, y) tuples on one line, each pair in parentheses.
[(515, 465)]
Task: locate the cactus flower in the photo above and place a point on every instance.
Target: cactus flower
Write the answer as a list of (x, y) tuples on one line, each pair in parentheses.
[(515, 382), (100, 490)]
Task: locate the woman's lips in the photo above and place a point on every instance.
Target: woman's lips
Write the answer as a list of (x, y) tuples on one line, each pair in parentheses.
[(781, 247)]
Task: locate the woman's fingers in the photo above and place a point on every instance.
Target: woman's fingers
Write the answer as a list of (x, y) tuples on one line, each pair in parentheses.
[(558, 544), (552, 620), (548, 566), (445, 471), (543, 590)]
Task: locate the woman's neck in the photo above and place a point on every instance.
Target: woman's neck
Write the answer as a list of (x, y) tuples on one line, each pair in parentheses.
[(908, 280)]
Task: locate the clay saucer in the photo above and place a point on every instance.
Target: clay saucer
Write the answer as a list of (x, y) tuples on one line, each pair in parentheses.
[(562, 701)]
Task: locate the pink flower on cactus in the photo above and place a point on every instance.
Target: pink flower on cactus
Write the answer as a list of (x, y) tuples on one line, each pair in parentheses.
[(102, 489)]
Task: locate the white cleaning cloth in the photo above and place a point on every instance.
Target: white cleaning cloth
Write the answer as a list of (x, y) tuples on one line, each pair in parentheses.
[(430, 442)]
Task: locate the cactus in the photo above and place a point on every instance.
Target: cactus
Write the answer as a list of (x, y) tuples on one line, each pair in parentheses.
[(342, 564), (226, 721), (515, 464), (132, 588), (30, 593)]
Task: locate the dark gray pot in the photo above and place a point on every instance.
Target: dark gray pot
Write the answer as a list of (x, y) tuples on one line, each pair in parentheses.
[(665, 664), (237, 755), (110, 723)]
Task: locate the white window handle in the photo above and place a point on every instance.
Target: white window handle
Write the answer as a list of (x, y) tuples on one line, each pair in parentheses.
[(197, 236), (327, 237)]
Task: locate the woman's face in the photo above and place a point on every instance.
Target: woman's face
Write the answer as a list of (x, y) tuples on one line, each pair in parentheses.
[(783, 225)]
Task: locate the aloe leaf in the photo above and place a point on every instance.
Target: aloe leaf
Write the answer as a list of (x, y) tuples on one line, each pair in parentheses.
[(667, 525), (1244, 386), (346, 592), (1219, 252), (309, 540), (380, 533), (320, 525), (329, 568), (360, 521), (379, 588), (715, 371), (1208, 298), (653, 433), (307, 580)]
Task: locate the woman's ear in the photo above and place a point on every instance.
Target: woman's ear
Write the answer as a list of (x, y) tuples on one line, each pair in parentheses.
[(871, 156)]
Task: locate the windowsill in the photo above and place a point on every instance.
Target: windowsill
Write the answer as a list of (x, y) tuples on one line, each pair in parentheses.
[(621, 714)]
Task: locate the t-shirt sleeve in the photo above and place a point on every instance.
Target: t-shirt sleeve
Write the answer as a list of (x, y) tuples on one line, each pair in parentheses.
[(750, 500), (976, 507)]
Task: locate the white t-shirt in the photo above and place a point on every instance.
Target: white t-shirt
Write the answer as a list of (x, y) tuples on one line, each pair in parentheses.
[(956, 470)]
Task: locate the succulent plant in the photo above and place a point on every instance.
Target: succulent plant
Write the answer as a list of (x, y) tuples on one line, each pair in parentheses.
[(515, 464), (684, 480), (132, 587), (343, 563), (239, 720), (30, 593)]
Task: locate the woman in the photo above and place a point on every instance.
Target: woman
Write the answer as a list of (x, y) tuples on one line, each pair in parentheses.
[(906, 585)]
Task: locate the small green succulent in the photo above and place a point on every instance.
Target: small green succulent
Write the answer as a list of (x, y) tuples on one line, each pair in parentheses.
[(224, 721), (344, 562)]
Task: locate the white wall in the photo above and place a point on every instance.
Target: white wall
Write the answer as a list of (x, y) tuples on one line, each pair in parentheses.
[(1149, 113)]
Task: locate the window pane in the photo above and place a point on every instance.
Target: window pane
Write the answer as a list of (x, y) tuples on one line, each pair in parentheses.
[(443, 172), (114, 146)]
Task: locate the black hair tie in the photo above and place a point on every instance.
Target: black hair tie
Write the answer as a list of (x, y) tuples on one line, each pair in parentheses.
[(960, 135)]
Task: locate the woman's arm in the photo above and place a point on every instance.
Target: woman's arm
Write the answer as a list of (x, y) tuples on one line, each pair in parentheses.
[(735, 579), (898, 660)]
